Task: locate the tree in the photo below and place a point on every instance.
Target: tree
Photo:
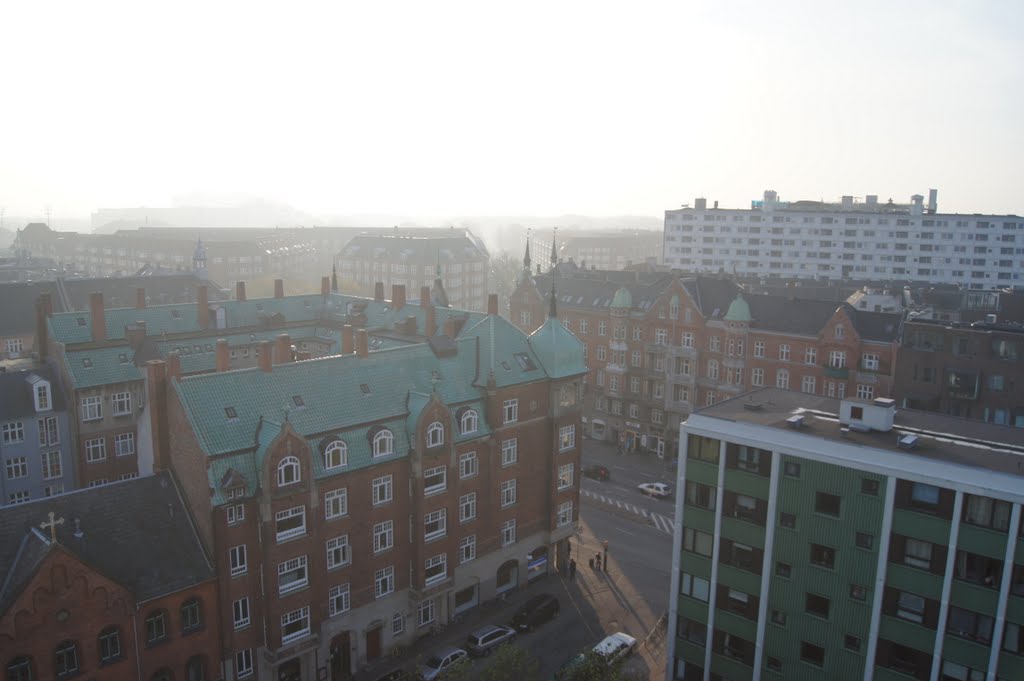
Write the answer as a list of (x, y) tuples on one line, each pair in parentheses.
[(512, 663), (593, 668)]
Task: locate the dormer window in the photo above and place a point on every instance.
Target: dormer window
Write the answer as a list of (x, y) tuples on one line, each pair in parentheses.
[(288, 471), (469, 421), (231, 413), (297, 401), (87, 363), (383, 443), (435, 434), (336, 455), (122, 358), (81, 321), (42, 396), (364, 388)]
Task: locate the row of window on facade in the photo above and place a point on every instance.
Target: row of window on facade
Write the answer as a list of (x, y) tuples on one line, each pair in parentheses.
[(92, 406), (70, 659)]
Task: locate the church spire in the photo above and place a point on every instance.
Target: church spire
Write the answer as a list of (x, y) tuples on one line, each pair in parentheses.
[(526, 258), (334, 278), (552, 311), (554, 250)]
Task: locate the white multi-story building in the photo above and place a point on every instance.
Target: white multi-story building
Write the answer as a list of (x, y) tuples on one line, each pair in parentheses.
[(850, 239)]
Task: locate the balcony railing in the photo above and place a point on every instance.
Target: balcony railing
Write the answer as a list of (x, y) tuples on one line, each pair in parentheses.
[(836, 372)]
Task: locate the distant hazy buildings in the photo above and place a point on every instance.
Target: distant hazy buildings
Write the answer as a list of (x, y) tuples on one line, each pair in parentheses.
[(414, 258), (850, 239), (611, 250)]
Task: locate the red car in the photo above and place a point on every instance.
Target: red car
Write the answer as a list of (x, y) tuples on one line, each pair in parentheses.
[(597, 472)]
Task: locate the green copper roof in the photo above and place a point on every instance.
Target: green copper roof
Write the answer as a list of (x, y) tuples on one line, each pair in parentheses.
[(102, 366), (623, 298), (559, 351), (739, 311)]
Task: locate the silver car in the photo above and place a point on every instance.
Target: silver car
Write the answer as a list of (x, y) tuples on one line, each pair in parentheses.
[(440, 662), (485, 639)]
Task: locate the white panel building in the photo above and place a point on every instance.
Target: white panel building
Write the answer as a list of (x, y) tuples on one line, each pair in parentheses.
[(851, 239)]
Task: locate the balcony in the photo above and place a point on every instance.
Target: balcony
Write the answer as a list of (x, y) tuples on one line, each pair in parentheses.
[(836, 372)]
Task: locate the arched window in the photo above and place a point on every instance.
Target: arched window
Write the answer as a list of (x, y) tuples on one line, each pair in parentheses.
[(383, 443), (66, 662), (336, 455), (435, 434), (195, 669), (110, 644), (288, 471), (191, 615), (469, 421), (19, 669), (156, 627)]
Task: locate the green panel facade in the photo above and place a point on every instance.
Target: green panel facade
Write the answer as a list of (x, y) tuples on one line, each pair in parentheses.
[(921, 526)]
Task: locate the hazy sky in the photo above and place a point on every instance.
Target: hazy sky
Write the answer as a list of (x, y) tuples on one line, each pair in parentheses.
[(442, 108)]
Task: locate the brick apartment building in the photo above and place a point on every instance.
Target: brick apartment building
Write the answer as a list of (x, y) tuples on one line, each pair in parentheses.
[(354, 501), (972, 370), (109, 583), (661, 345)]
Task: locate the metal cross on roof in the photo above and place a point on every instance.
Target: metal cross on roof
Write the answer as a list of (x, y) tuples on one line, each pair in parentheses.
[(52, 525)]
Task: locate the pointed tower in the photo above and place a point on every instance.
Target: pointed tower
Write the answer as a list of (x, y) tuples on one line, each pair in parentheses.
[(199, 260), (554, 248), (334, 278)]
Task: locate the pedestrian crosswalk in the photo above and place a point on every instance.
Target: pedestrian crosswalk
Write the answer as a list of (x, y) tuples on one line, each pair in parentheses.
[(662, 523)]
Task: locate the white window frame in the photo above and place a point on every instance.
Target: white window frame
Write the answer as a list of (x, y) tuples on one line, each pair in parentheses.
[(16, 467), (468, 465), (237, 560), (243, 663), (297, 511), (336, 503), (235, 514), (51, 464), (298, 565), (837, 358), (435, 434), (425, 613), (811, 356), (121, 404), (467, 549), (384, 581), (339, 552), (96, 450), (508, 493), (784, 352), (339, 600), (865, 391), (433, 562), (92, 408), (759, 349), (13, 432), (566, 476), (566, 438), (240, 613), (339, 448), (510, 410), (383, 443), (870, 361), (508, 532), (295, 616), (467, 507), (288, 463), (383, 535), (439, 520), (509, 451), (397, 624), (124, 444), (436, 473), (564, 513), (470, 422), (808, 384), (782, 379)]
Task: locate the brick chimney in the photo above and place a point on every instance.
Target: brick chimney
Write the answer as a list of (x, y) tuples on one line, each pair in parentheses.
[(223, 358), (362, 343), (347, 340), (424, 296), (282, 349), (203, 307), (266, 361), (135, 333), (140, 298), (378, 292), (325, 287), (450, 327), (240, 291), (430, 325), (47, 300), (398, 296), (173, 364), (156, 405), (99, 321), (492, 304), (279, 288)]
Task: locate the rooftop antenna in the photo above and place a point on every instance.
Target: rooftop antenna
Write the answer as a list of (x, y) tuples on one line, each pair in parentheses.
[(48, 215)]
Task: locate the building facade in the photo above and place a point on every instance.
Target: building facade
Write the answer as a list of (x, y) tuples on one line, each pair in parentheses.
[(849, 240), (36, 445), (838, 539), (109, 583), (961, 369), (419, 257), (355, 501), (660, 346), (611, 250)]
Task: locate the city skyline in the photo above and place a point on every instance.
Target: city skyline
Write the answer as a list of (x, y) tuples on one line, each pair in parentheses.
[(464, 110)]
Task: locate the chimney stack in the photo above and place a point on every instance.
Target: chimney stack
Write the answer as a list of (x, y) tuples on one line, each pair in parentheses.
[(325, 287), (362, 343), (279, 288), (430, 326), (156, 403), (140, 298), (42, 333), (378, 292), (47, 300), (347, 340), (223, 359), (424, 296), (135, 333), (203, 307), (265, 360), (398, 296), (282, 349), (240, 291), (173, 365), (99, 321), (450, 327), (492, 303)]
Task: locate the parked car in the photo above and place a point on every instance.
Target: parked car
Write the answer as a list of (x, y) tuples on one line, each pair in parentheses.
[(615, 647), (536, 611), (485, 639), (655, 489), (597, 472), (439, 662)]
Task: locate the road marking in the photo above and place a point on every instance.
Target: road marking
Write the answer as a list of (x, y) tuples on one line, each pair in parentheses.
[(660, 522)]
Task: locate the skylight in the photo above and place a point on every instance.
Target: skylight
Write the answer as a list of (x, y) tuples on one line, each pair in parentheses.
[(231, 413), (297, 400), (122, 358), (365, 388), (505, 366), (87, 363), (175, 314), (525, 363)]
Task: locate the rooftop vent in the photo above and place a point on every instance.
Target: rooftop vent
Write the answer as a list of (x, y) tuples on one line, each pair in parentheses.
[(906, 441), (796, 421)]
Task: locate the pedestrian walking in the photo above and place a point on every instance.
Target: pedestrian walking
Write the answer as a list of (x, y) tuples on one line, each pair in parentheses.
[(597, 561), (572, 570)]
